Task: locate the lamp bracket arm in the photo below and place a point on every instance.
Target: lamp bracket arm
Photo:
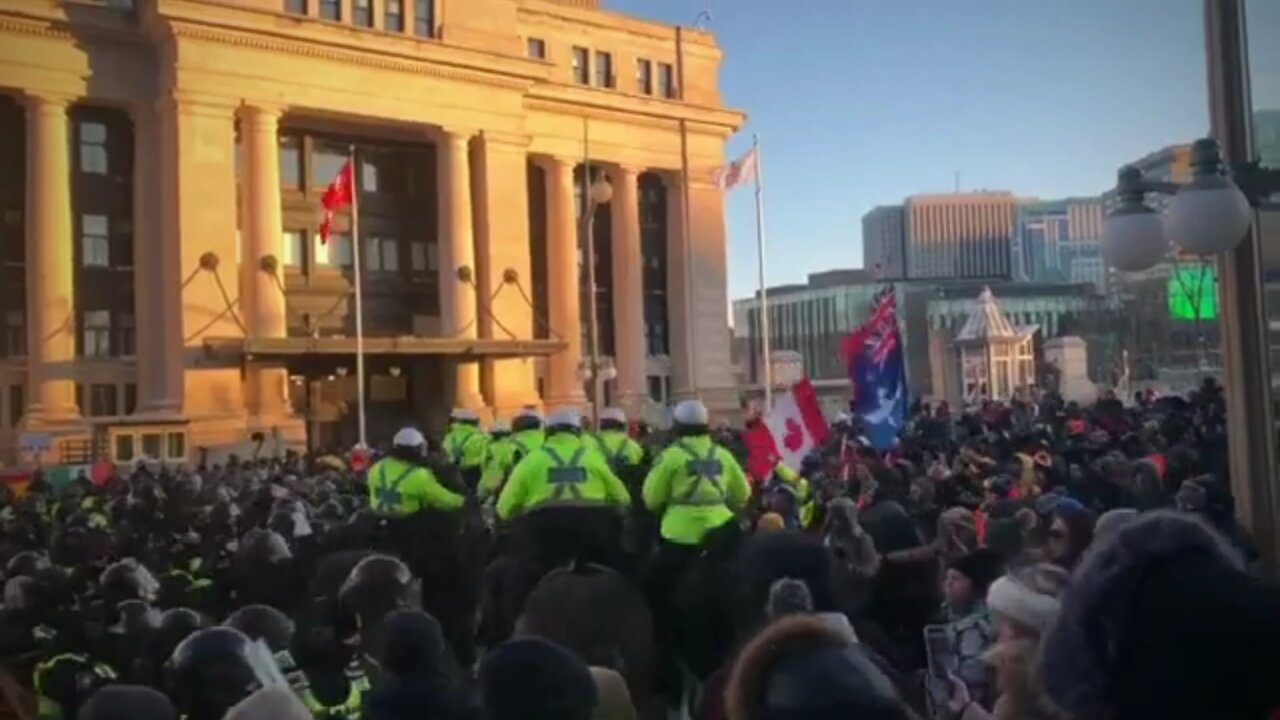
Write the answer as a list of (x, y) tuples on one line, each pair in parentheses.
[(1256, 182)]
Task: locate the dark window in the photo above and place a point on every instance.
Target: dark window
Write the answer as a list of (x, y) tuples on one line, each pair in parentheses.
[(295, 7), (362, 12), (326, 160), (126, 334), (381, 254), (331, 9), (17, 404), (666, 81), (125, 450), (102, 400), (655, 389), (95, 334), (393, 16), (536, 48), (422, 257), (93, 148), (130, 398), (175, 445), (424, 21), (95, 241), (581, 66), (604, 69), (151, 445), (291, 161), (15, 333), (644, 76)]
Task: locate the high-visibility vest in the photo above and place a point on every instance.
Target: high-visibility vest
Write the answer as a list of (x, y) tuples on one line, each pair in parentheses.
[(703, 471), (348, 709)]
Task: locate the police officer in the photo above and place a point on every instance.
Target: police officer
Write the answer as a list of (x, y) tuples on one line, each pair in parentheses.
[(64, 682), (399, 484), (799, 487), (565, 471), (526, 437), (499, 439), (614, 442), (210, 672), (465, 445), (695, 484)]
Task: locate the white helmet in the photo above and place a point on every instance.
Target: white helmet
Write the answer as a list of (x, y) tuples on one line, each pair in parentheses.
[(565, 417), (500, 426), (409, 438), (613, 414), (463, 415), (691, 412)]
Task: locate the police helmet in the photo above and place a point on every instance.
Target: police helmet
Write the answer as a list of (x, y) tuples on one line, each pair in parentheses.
[(27, 563), (211, 671), (500, 428), (265, 623), (613, 419), (264, 546), (176, 625), (691, 413), (464, 416), (136, 616), (377, 585), (409, 438), (565, 419), (527, 419), (127, 580)]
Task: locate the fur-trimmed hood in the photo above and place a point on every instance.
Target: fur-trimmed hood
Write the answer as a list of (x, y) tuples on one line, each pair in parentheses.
[(1079, 653)]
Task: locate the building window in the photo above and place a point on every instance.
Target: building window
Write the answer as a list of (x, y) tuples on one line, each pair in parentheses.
[(151, 445), (362, 12), (424, 22), (15, 333), (422, 257), (130, 398), (175, 445), (295, 7), (96, 334), (294, 240), (331, 9), (604, 69), (666, 81), (581, 66), (291, 161), (126, 333), (336, 252), (124, 451), (93, 148), (102, 400), (17, 404), (382, 254), (326, 160), (644, 76), (393, 16), (536, 48), (95, 241)]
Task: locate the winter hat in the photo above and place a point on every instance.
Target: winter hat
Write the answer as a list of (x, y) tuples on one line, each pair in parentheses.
[(789, 596), (270, 703), (615, 698), (127, 702), (414, 642), (982, 566), (770, 522), (532, 679), (1163, 621), (1029, 596), (1111, 521)]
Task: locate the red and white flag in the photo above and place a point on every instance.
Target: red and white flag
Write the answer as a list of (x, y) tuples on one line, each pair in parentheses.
[(337, 196), (792, 429), (739, 172)]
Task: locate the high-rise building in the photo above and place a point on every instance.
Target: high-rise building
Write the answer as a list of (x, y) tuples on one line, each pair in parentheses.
[(884, 242), (1058, 241), (165, 161), (960, 235)]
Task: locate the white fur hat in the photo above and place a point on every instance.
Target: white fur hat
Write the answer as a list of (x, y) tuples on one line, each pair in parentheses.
[(565, 417), (1029, 596), (409, 437), (691, 412), (614, 414)]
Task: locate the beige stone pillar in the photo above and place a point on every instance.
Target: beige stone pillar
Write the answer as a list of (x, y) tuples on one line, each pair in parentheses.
[(679, 295), (50, 256), (458, 305), (261, 272), (630, 349), (563, 386)]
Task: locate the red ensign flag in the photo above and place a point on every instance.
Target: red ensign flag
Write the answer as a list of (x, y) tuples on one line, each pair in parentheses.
[(336, 197)]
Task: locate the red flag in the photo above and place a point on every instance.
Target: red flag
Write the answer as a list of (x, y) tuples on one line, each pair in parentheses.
[(337, 196), (739, 172), (792, 429)]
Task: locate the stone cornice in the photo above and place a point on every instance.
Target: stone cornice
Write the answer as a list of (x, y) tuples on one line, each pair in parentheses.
[(698, 119), (259, 41)]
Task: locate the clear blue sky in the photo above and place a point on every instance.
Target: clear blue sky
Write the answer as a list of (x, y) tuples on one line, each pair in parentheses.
[(859, 103)]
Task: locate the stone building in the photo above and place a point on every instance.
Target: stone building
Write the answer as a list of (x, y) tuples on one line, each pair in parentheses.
[(162, 284)]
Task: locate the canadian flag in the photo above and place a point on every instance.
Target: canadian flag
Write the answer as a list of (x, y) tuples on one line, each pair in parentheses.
[(792, 429), (338, 195)]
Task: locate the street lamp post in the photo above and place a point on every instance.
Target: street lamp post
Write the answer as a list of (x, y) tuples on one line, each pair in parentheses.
[(599, 192), (1216, 214)]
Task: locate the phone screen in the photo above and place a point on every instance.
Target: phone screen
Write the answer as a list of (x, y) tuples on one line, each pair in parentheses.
[(937, 644)]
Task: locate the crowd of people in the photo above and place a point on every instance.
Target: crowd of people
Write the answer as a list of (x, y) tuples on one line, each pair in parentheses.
[(1018, 561)]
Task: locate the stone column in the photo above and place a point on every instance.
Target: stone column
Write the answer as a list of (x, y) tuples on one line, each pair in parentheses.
[(51, 321), (630, 349), (458, 306), (261, 272), (563, 385)]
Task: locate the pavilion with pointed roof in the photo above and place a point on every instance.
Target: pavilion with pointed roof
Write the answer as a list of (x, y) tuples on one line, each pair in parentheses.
[(996, 358)]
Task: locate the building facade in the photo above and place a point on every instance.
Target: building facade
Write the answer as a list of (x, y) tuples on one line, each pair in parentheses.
[(953, 236), (884, 242), (162, 185), (1058, 241)]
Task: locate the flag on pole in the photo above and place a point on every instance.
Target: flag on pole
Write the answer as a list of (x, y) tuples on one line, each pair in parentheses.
[(792, 429), (337, 196), (739, 172), (877, 370)]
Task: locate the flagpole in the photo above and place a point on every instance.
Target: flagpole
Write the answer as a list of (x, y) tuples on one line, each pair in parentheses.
[(359, 302), (766, 354)]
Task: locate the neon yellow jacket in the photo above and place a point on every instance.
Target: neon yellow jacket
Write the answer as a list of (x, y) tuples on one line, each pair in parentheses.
[(696, 486), (521, 444), (398, 488), (618, 447), (565, 471), (804, 498), (465, 445)]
